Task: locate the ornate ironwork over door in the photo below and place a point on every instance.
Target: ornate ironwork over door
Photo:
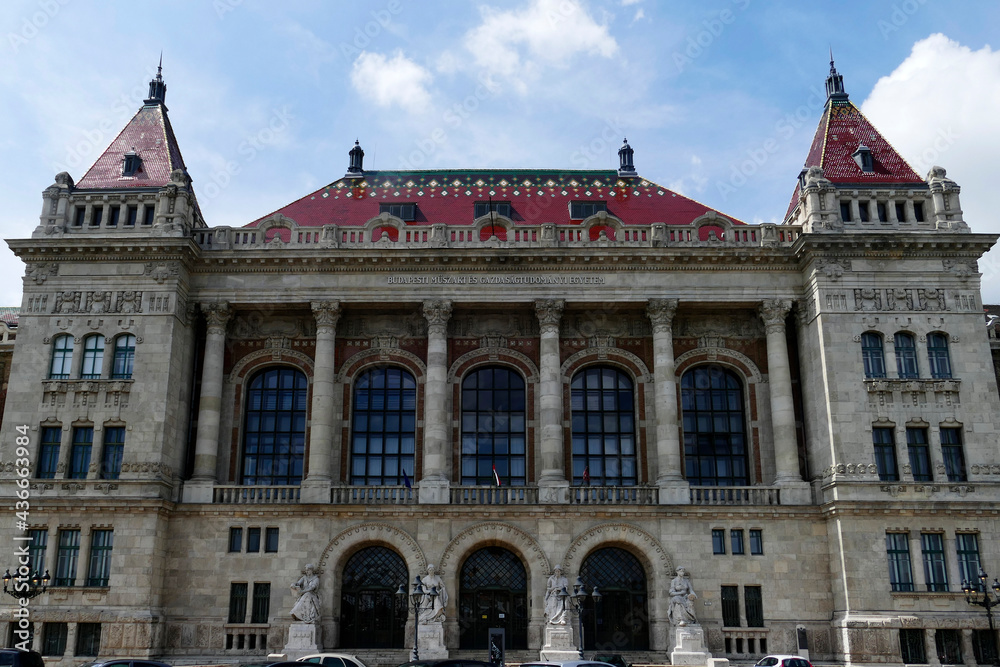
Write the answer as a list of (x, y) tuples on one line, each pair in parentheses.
[(370, 615), (493, 594), (621, 621)]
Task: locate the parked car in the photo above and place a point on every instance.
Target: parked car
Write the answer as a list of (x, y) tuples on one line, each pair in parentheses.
[(333, 660), (783, 661), (615, 659), (567, 663), (15, 657), (451, 662), (126, 662)]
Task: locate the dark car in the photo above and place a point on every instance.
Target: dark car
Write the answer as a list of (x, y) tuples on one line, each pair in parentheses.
[(15, 657), (615, 659), (126, 662)]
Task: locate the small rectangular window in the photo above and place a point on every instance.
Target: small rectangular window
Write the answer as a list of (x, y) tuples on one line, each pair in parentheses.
[(883, 215), (499, 207), (253, 540), (949, 646), (920, 456), (900, 211), (88, 639), (114, 451), (148, 214), (83, 441), (863, 210), (736, 541), (872, 355), (116, 212), (271, 540), (39, 540), (235, 539), (935, 574), (261, 602), (953, 455), (897, 548), (132, 217), (906, 356), (99, 571), (69, 552), (984, 647), (754, 606), (918, 211), (885, 454), (580, 210), (730, 607), (238, 603), (48, 452), (405, 212), (54, 639), (911, 646), (845, 211), (97, 217), (80, 214), (967, 552), (718, 541), (756, 542)]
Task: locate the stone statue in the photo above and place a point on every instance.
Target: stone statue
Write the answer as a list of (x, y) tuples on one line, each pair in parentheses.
[(555, 605), (682, 597), (432, 608), (306, 608)]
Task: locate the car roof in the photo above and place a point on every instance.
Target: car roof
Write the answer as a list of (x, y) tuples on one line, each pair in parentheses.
[(328, 655), (567, 663)]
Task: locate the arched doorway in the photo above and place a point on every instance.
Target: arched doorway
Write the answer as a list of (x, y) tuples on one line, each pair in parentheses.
[(621, 621), (370, 615), (493, 593)]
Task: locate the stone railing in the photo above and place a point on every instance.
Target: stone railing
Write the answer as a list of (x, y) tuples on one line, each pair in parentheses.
[(613, 495), (735, 495), (494, 495), (254, 495), (372, 495)]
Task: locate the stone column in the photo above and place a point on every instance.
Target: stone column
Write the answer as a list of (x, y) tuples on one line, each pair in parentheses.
[(206, 450), (316, 487), (553, 487), (968, 651), (930, 648), (917, 563), (673, 487), (786, 451), (435, 480)]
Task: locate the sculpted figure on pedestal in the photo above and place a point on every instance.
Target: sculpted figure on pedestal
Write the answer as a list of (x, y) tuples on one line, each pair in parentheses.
[(306, 607), (555, 604), (682, 597)]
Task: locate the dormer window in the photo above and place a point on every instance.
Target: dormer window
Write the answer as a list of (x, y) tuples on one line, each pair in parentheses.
[(863, 156), (581, 210), (131, 163), (405, 212), (498, 207)]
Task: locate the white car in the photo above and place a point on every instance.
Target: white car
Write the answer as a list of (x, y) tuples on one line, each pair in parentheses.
[(333, 660), (783, 661)]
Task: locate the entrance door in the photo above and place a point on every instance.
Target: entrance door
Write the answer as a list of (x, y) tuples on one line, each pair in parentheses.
[(619, 621), (493, 594), (370, 615)]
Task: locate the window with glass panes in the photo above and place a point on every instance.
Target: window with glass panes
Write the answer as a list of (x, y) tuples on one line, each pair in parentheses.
[(235, 539), (920, 455), (384, 425), (83, 441), (493, 427), (114, 450), (66, 557), (935, 573), (271, 540), (62, 358), (873, 355), (621, 579), (984, 647), (718, 541), (261, 608), (88, 639), (715, 443), (967, 552), (884, 442), (54, 638), (897, 549), (754, 606), (253, 540), (99, 571), (756, 542), (736, 540), (238, 602), (124, 359), (953, 455), (274, 434), (36, 549), (370, 614), (603, 414), (949, 646), (48, 452), (939, 360), (906, 355), (911, 646), (93, 358), (730, 606)]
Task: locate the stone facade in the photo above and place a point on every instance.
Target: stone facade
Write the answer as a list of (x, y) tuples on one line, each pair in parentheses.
[(788, 535)]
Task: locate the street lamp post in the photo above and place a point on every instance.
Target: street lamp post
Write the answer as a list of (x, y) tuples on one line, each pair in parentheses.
[(972, 592), (26, 584), (413, 601), (577, 597)]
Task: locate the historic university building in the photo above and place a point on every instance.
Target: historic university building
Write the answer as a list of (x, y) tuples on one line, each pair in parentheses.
[(497, 372)]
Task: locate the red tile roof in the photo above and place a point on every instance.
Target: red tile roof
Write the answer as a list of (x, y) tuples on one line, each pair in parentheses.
[(149, 133), (448, 196)]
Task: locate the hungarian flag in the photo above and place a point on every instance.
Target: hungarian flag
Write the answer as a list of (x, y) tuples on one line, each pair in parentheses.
[(586, 475), (496, 477), (406, 480)]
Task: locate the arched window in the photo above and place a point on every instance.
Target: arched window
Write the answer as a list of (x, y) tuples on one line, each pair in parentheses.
[(62, 357), (493, 432), (493, 593), (873, 355), (93, 357), (906, 356), (937, 355), (621, 618), (274, 433), (603, 427), (384, 426), (124, 357), (715, 442), (370, 615)]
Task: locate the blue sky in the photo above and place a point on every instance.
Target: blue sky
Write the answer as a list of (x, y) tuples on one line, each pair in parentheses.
[(719, 98)]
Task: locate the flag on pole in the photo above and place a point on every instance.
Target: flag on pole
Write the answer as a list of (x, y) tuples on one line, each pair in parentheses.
[(586, 475), (406, 481), (496, 477)]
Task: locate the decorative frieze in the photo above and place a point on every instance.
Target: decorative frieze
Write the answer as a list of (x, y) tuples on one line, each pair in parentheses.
[(39, 272), (161, 271), (899, 299)]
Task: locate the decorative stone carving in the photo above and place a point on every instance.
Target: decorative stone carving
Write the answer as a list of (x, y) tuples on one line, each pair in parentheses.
[(432, 606), (67, 302), (549, 312), (867, 299), (833, 269), (661, 314), (129, 301), (326, 313), (682, 597), (773, 312), (161, 271), (307, 605), (98, 302), (555, 604), (739, 324), (932, 299), (899, 299), (260, 324), (509, 325), (38, 272), (217, 315), (437, 313), (961, 269)]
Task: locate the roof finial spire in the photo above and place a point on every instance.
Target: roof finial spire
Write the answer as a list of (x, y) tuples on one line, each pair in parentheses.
[(157, 89), (355, 167), (835, 83), (626, 166)]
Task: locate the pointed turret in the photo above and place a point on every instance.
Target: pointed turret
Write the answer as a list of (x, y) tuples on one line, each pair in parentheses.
[(626, 167), (157, 89), (835, 84), (355, 168)]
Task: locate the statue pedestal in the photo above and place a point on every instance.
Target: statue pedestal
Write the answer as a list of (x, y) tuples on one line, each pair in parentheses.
[(558, 646), (430, 641), (690, 647), (303, 639)]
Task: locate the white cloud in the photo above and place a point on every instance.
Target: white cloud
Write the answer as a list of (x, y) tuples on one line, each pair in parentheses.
[(519, 44), (639, 15), (391, 81), (939, 108), (626, 3)]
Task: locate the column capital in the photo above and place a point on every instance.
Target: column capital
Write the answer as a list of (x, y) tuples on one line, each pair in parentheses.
[(549, 311), (326, 313), (437, 312), (661, 314), (773, 313), (217, 314)]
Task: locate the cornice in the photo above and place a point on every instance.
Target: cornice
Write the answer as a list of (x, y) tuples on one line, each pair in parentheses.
[(892, 244)]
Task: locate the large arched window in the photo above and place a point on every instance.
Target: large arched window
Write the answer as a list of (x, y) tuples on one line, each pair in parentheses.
[(62, 357), (493, 593), (603, 427), (715, 442), (370, 614), (274, 433), (93, 357), (384, 426), (621, 620), (493, 433)]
